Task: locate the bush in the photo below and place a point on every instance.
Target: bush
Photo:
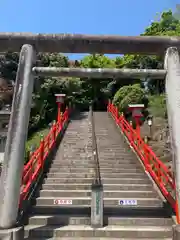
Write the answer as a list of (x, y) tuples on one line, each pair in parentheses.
[(132, 94), (120, 95)]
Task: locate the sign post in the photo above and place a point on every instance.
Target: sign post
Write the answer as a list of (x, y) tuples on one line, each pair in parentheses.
[(97, 206)]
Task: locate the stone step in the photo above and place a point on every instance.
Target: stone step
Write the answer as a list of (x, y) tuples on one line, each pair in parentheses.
[(70, 169), (76, 157), (113, 151), (94, 238), (87, 193), (116, 158), (90, 164), (111, 147), (57, 219), (107, 231), (86, 201), (56, 180), (115, 155), (103, 175), (84, 186), (110, 211), (64, 153), (89, 170)]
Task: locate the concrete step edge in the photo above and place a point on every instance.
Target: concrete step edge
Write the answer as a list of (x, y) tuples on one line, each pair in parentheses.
[(107, 191), (89, 198), (42, 216), (105, 228), (106, 184), (94, 238), (104, 178)]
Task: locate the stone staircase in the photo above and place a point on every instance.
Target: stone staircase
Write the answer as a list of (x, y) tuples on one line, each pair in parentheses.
[(69, 183)]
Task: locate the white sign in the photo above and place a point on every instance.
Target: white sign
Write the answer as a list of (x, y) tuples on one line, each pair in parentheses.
[(128, 202), (136, 112), (60, 99), (62, 202)]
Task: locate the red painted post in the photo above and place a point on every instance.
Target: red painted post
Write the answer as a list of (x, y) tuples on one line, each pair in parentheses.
[(117, 115), (66, 114), (121, 121), (177, 212), (146, 157), (138, 129), (42, 151), (54, 132), (59, 112), (130, 132), (60, 124)]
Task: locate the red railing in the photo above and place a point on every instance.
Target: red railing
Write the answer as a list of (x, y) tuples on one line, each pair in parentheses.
[(37, 160), (153, 165)]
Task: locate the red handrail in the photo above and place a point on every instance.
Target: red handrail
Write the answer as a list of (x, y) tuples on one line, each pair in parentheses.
[(153, 165), (38, 158)]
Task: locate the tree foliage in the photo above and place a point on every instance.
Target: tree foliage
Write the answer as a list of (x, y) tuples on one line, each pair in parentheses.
[(132, 94), (96, 89)]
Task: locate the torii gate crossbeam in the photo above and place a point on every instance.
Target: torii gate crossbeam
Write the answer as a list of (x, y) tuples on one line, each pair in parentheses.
[(80, 43), (100, 72)]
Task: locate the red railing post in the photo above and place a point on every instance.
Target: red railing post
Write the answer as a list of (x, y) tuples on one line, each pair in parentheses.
[(138, 129), (42, 151), (59, 112), (54, 131), (131, 133), (48, 142), (117, 115), (31, 166), (61, 123), (177, 212), (159, 173), (121, 121), (146, 159), (66, 114)]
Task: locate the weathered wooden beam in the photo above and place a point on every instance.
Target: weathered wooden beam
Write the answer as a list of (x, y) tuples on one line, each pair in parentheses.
[(99, 72), (79, 43)]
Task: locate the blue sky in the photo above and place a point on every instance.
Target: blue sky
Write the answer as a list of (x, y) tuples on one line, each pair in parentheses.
[(122, 17)]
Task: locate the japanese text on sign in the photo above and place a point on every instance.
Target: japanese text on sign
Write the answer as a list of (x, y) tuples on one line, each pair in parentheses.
[(62, 202), (128, 202)]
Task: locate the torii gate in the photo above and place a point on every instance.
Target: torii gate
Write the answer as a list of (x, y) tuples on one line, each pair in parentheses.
[(29, 44)]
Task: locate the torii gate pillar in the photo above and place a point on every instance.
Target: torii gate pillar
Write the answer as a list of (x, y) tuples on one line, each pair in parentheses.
[(172, 65)]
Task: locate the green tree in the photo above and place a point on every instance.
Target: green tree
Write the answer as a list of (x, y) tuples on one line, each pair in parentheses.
[(96, 89), (44, 103), (8, 65)]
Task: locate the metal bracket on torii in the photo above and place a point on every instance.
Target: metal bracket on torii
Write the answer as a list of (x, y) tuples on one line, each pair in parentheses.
[(29, 44)]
